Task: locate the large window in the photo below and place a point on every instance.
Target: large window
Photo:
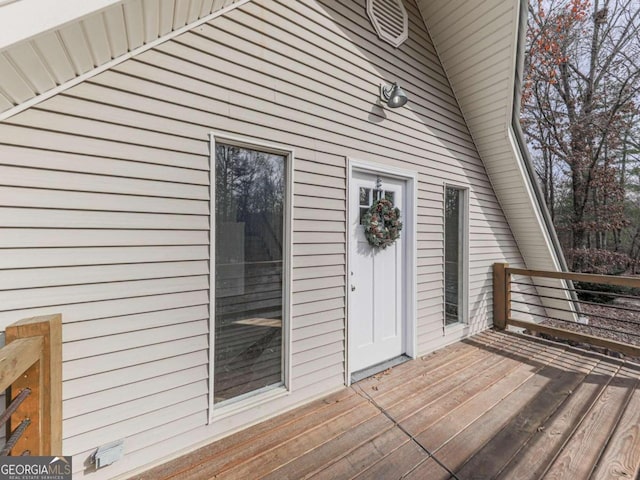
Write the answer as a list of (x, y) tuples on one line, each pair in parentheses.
[(454, 255), (250, 270)]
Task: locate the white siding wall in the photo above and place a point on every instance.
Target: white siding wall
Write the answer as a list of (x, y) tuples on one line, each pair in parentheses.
[(477, 44), (105, 216)]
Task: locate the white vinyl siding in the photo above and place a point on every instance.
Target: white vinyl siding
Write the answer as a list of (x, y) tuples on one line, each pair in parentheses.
[(104, 203)]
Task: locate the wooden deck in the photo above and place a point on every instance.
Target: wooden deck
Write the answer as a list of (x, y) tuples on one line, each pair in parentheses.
[(497, 405)]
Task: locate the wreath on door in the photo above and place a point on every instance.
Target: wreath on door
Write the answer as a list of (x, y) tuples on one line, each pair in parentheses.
[(382, 223)]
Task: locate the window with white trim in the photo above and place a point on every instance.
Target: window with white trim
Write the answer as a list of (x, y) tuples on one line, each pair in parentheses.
[(455, 254), (252, 212)]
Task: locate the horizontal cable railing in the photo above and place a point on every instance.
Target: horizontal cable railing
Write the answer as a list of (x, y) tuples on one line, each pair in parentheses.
[(598, 310), (31, 375)]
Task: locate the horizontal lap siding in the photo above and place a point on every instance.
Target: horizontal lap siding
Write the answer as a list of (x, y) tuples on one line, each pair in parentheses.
[(104, 206), (109, 225)]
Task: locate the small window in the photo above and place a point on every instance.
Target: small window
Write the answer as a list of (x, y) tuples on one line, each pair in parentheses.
[(365, 196), (368, 196), (455, 242)]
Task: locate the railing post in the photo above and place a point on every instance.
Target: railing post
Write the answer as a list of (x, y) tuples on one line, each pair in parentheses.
[(501, 295), (44, 405)]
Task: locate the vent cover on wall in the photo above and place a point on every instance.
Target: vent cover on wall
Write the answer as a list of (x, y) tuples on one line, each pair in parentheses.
[(389, 18)]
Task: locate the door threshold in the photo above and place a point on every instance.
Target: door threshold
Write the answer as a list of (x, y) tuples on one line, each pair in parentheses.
[(380, 367)]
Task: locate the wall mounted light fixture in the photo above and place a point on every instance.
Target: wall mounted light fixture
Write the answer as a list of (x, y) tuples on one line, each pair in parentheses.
[(393, 95)]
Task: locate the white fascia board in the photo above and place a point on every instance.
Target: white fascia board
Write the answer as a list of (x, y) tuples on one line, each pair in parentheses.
[(515, 56), (535, 206), (24, 19)]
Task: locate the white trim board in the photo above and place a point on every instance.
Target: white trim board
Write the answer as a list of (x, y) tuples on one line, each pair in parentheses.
[(410, 230)]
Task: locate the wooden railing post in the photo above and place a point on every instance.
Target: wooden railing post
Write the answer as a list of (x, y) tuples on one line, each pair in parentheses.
[(501, 295), (44, 406)]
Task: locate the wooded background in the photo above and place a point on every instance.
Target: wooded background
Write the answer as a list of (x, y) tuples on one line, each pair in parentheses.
[(581, 117)]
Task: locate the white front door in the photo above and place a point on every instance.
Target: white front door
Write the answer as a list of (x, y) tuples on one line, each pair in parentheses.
[(377, 277)]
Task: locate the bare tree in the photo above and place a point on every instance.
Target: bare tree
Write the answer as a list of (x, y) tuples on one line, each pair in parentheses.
[(581, 86)]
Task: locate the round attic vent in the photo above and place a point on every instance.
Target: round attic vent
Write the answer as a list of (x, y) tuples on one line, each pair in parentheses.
[(389, 18)]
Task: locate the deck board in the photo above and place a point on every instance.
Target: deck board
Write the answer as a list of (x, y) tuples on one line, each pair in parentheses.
[(523, 421), (464, 377), (307, 464), (324, 423), (498, 405), (584, 448), (534, 456), (270, 459), (477, 450), (623, 450), (411, 393), (504, 375), (358, 459), (396, 464)]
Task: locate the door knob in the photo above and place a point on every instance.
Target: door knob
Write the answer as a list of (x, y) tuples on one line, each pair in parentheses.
[(353, 287)]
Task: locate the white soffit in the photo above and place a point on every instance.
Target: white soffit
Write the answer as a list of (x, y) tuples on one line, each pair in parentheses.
[(477, 44), (47, 44), (22, 19)]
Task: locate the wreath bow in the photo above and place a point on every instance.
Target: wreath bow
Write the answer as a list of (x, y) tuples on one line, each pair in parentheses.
[(382, 223)]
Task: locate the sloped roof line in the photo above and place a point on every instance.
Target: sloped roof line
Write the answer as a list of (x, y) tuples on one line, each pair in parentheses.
[(509, 167), (32, 83), (29, 98), (521, 141)]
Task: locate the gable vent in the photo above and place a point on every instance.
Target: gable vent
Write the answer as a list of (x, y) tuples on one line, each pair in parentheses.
[(389, 18)]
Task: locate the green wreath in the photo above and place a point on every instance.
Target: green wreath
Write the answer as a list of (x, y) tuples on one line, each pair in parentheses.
[(382, 223)]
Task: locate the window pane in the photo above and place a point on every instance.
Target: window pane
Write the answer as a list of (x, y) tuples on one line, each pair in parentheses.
[(363, 212), (365, 196), (390, 196), (452, 255), (249, 216)]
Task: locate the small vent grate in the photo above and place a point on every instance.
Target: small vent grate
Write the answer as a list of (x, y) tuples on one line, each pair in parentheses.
[(389, 18)]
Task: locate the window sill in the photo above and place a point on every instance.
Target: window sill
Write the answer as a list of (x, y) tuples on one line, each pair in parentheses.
[(266, 395), (455, 327)]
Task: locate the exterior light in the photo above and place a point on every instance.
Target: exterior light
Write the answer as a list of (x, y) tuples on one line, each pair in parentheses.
[(393, 95)]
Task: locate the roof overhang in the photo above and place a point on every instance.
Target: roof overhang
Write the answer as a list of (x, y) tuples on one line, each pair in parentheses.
[(47, 47), (481, 46), (23, 19)]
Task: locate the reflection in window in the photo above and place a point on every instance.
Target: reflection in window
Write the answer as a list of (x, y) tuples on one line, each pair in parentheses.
[(453, 255), (365, 196), (249, 275)]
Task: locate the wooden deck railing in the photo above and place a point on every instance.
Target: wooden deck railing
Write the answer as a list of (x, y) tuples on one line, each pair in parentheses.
[(566, 292), (31, 374)]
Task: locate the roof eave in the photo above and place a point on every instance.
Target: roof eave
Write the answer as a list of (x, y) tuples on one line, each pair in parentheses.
[(520, 138), (23, 19)]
